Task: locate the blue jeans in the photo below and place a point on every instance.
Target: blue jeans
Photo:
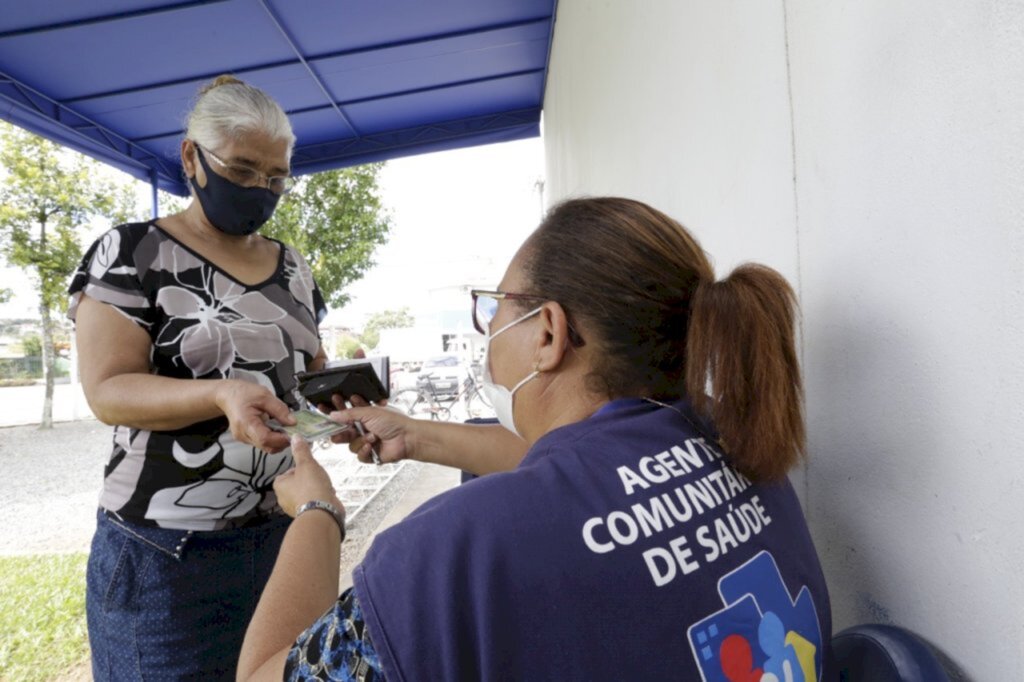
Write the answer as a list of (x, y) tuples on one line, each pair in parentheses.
[(168, 604)]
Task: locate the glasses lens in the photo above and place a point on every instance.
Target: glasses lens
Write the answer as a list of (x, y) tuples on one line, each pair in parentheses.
[(486, 308), (240, 175), (282, 184)]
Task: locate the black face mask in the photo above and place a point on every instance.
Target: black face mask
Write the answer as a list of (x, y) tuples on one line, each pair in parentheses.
[(231, 208)]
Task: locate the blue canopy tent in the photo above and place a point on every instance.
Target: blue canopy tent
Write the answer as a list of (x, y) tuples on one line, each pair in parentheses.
[(361, 81)]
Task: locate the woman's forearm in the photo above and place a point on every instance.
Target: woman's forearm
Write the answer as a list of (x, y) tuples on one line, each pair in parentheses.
[(477, 448), (303, 585), (155, 403)]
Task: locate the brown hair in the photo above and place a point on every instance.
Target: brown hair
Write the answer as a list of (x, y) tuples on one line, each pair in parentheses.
[(643, 292), (223, 79)]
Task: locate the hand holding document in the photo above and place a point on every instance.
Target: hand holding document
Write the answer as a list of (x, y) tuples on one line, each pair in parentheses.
[(310, 425)]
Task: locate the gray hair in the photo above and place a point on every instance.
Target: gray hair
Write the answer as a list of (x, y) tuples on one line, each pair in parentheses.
[(227, 108)]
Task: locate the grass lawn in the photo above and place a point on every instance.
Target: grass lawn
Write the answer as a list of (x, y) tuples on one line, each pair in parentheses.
[(42, 615)]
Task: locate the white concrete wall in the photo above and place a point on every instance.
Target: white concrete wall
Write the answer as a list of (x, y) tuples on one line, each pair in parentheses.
[(884, 177), (642, 102)]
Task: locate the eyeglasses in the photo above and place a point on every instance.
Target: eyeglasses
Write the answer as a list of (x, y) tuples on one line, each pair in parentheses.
[(246, 176), (485, 307)]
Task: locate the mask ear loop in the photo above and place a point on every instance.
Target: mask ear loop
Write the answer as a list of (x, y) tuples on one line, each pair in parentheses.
[(529, 377), (514, 322)]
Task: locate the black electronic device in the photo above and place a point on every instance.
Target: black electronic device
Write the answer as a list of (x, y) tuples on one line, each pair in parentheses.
[(358, 378)]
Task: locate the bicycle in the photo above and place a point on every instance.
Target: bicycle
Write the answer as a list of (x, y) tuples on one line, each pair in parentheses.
[(421, 402), (477, 404), (425, 401)]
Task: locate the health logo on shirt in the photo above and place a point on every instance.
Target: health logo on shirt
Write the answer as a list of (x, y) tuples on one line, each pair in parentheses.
[(761, 634)]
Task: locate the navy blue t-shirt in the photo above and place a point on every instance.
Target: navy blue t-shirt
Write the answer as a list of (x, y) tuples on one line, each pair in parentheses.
[(622, 547)]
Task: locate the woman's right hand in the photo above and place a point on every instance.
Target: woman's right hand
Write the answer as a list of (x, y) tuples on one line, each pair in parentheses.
[(247, 406), (305, 481), (388, 429)]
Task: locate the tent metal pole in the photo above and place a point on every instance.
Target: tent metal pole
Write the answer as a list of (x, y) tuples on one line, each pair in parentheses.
[(156, 196)]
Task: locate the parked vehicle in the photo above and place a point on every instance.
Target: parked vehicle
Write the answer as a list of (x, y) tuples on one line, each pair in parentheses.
[(446, 373), (402, 378)]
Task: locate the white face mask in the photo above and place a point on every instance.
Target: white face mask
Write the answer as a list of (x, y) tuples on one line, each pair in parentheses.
[(501, 397)]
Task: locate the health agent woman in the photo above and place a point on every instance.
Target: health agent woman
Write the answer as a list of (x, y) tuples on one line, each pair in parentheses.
[(633, 520), (190, 328)]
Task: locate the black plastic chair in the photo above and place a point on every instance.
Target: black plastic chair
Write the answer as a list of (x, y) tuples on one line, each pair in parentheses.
[(885, 653), (466, 476)]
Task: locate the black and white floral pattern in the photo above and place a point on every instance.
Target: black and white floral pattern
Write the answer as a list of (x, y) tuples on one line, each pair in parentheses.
[(204, 325)]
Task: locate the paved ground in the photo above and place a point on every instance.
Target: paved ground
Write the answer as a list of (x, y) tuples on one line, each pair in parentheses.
[(24, 404), (51, 486)]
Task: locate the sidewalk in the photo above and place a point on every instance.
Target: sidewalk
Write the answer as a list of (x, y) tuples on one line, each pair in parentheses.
[(22, 405)]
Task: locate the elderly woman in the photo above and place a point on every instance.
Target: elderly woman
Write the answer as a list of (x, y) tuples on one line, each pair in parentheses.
[(642, 527), (190, 328)]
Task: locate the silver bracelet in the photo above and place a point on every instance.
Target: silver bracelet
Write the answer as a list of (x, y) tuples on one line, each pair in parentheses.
[(338, 517)]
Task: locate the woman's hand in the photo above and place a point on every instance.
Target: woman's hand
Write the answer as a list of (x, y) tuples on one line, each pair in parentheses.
[(247, 406), (478, 449), (306, 481), (386, 428)]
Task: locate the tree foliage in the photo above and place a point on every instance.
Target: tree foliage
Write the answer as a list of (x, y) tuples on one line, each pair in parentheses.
[(46, 195), (31, 346), (346, 347), (171, 203), (336, 220), (49, 193), (385, 319)]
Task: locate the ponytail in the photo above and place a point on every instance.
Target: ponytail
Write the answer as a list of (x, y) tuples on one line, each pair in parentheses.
[(740, 346), (635, 281)]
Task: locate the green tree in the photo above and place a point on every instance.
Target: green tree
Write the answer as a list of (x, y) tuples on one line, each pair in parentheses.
[(31, 346), (6, 295), (47, 194), (336, 220), (171, 203), (385, 319), (346, 347)]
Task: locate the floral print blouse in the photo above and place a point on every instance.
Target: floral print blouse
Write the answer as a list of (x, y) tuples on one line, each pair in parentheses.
[(204, 324), (336, 648)]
